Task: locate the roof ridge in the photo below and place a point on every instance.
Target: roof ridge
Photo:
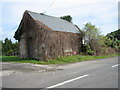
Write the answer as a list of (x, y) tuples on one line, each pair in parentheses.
[(49, 16), (55, 23), (41, 14)]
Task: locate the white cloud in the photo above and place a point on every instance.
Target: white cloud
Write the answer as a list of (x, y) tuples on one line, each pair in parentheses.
[(8, 34), (1, 33), (102, 13), (108, 28)]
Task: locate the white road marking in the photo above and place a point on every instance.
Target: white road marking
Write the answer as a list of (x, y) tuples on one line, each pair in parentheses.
[(68, 81), (115, 65)]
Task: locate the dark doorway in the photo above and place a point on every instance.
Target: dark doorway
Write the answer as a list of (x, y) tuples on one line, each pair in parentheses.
[(30, 47)]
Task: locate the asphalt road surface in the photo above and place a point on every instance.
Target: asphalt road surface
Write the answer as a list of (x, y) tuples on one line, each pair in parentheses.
[(101, 73)]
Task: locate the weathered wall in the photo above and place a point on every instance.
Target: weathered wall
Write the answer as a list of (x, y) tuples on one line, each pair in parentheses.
[(22, 47), (51, 44), (28, 31), (46, 43), (55, 43), (62, 43)]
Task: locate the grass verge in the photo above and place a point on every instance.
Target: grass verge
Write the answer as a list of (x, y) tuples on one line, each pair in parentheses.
[(61, 60)]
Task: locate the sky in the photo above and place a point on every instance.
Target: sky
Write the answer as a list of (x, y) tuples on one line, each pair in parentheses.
[(101, 13)]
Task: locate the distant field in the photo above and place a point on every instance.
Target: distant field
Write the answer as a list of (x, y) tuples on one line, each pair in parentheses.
[(61, 60)]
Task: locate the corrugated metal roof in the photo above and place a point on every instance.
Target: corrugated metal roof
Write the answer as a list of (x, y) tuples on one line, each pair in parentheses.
[(54, 23)]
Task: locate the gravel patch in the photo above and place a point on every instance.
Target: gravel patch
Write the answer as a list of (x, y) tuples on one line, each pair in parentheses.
[(6, 73), (9, 68)]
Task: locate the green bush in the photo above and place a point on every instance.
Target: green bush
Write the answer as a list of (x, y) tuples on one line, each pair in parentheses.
[(87, 49), (90, 52)]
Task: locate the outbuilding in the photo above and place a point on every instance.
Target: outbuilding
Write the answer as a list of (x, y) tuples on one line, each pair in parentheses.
[(45, 37)]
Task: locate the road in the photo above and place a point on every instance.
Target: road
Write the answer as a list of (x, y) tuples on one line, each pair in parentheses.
[(101, 73)]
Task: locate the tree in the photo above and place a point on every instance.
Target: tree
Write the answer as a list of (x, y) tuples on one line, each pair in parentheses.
[(114, 39), (9, 48), (92, 37), (67, 18), (0, 47), (15, 47), (111, 41), (91, 33), (115, 34)]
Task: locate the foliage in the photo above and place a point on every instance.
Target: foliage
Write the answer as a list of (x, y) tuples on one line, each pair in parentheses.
[(87, 49), (115, 34), (118, 43), (0, 47), (91, 32), (97, 42), (67, 18), (60, 60), (9, 48), (111, 41), (92, 37)]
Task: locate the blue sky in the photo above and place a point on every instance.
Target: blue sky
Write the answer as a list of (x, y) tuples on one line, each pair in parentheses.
[(101, 13)]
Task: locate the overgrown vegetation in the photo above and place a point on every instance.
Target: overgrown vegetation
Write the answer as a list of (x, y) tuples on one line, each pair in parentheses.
[(60, 60), (0, 47), (115, 38), (97, 44), (9, 48), (115, 34)]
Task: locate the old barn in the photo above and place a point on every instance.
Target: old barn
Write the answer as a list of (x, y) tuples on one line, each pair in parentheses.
[(46, 37)]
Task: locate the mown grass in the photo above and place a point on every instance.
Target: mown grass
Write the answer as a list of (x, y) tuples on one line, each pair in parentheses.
[(60, 60)]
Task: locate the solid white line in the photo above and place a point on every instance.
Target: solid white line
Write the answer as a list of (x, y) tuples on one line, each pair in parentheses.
[(115, 65), (68, 81)]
